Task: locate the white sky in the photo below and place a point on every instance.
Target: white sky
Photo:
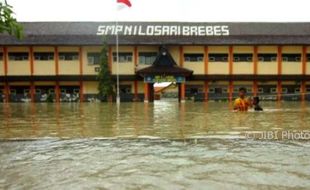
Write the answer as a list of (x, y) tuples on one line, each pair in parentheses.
[(163, 10)]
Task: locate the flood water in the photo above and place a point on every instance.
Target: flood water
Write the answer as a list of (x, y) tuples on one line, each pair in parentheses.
[(163, 145)]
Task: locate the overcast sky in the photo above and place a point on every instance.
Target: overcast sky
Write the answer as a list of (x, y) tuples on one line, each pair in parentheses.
[(163, 10)]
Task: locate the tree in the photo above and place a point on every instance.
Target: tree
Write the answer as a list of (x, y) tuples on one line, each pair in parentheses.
[(106, 82), (7, 22)]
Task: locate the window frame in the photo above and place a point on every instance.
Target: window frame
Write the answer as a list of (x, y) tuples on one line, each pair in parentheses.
[(193, 57), (10, 55), (218, 57), (48, 56), (63, 57), (127, 55), (147, 55)]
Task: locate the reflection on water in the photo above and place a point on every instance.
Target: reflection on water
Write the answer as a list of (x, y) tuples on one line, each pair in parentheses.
[(164, 145), (161, 119)]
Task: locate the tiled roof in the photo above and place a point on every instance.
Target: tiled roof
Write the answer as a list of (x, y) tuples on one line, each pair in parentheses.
[(84, 33)]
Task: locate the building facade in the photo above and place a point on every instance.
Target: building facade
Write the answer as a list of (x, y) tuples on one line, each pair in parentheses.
[(59, 61)]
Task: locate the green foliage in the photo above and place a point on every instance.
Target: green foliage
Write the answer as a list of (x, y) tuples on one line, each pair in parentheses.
[(106, 82), (7, 22)]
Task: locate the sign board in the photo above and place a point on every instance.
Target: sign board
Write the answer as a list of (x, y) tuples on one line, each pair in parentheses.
[(163, 30), (159, 79)]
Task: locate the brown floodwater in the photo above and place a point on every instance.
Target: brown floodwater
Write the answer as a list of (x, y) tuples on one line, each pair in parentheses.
[(163, 145)]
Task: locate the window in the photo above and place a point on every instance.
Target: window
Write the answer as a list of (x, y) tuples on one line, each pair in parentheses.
[(260, 90), (93, 58), (123, 57), (147, 58), (38, 91), (44, 56), (69, 56), (297, 90), (244, 57), (284, 90), (26, 91), (273, 90), (51, 91), (291, 57), (76, 91), (13, 91), (236, 90), (224, 90), (211, 90), (1, 56), (249, 90), (125, 89), (18, 56), (218, 57), (267, 57), (191, 57)]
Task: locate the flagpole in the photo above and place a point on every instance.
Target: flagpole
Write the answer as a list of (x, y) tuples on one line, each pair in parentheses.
[(118, 101)]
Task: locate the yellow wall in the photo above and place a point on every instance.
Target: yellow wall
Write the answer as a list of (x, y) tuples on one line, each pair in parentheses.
[(292, 67), (127, 68), (44, 67), (267, 68), (90, 87), (197, 67), (49, 83), (243, 67), (18, 67), (1, 64), (218, 67), (69, 67), (19, 84), (308, 63), (145, 49), (140, 87), (89, 69), (175, 53)]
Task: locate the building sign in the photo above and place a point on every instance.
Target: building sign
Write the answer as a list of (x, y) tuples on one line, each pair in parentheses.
[(159, 79), (163, 30)]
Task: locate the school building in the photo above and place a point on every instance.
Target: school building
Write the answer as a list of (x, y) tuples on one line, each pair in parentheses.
[(59, 61)]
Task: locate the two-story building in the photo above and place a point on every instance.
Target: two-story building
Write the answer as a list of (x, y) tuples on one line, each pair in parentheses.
[(209, 61)]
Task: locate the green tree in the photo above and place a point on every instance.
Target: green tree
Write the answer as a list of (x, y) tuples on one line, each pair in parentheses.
[(7, 22), (106, 82)]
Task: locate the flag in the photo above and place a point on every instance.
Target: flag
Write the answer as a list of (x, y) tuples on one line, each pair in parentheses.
[(124, 3)]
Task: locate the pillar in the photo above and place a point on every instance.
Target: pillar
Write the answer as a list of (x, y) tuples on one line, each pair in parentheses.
[(146, 93), (279, 84), (32, 91), (230, 91)]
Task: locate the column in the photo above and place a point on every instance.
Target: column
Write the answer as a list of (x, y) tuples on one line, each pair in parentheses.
[(5, 65), (146, 93), (57, 88), (279, 84), (255, 67), (32, 91), (206, 62), (136, 65), (230, 91), (230, 57), (81, 74), (304, 69)]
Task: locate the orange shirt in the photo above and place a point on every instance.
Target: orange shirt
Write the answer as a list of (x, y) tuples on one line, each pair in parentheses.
[(241, 104)]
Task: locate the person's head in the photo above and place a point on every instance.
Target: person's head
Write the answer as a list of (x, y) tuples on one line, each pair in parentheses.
[(255, 100), (242, 92)]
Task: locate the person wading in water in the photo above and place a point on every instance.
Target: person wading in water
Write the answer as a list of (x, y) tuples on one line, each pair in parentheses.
[(242, 103)]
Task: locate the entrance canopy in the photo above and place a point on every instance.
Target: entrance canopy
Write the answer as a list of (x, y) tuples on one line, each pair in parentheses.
[(164, 67)]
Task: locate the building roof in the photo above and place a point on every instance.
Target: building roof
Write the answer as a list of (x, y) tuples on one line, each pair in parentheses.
[(85, 33), (165, 65)]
